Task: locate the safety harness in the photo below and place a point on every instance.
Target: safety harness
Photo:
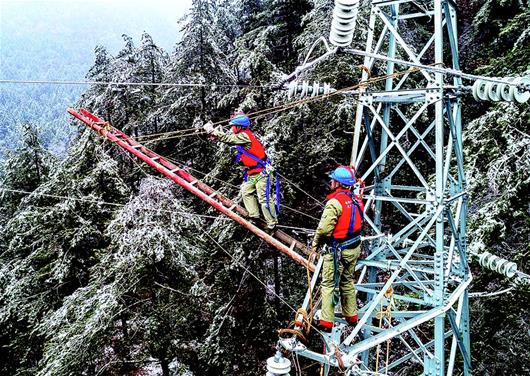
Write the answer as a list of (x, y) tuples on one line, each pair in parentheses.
[(263, 164), (338, 245)]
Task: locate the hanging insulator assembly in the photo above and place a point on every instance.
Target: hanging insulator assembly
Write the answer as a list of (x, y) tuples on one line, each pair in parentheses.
[(515, 89), (498, 264), (343, 23), (305, 89)]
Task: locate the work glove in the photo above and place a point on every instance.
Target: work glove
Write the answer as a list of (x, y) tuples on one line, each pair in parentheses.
[(269, 169), (208, 127)]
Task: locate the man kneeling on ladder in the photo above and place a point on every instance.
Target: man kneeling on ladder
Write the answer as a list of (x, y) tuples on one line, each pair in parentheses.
[(258, 169), (340, 227)]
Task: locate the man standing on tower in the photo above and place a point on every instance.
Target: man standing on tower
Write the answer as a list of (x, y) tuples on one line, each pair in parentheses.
[(340, 227)]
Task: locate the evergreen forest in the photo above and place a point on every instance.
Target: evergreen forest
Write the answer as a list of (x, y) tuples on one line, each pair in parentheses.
[(107, 268)]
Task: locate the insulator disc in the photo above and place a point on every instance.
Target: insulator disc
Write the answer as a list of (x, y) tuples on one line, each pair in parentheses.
[(327, 88), (315, 90), (305, 87), (293, 85), (280, 366), (522, 95), (493, 91), (506, 91), (479, 90)]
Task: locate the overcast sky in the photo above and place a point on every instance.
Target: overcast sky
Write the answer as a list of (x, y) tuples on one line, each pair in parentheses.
[(158, 17)]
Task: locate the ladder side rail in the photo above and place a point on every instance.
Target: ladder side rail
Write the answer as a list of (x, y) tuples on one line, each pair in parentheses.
[(281, 235)]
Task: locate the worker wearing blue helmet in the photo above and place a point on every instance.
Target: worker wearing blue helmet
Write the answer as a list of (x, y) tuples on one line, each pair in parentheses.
[(340, 228), (255, 190)]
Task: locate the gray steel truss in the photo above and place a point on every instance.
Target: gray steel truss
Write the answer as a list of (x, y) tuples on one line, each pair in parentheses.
[(407, 145)]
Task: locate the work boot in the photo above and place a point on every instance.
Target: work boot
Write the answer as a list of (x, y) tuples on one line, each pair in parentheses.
[(325, 326), (257, 221), (271, 227), (352, 320)]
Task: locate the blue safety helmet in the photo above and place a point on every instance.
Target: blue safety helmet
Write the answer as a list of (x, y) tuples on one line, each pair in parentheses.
[(344, 175), (242, 121)]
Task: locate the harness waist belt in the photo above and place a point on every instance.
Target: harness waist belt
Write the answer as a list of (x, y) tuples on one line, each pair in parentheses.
[(344, 243)]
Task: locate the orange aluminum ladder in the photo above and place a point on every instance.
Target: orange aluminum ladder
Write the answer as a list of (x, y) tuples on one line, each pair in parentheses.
[(279, 239)]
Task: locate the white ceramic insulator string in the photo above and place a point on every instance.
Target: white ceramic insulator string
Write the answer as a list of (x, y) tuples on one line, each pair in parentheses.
[(343, 23), (511, 90), (305, 89), (498, 264)]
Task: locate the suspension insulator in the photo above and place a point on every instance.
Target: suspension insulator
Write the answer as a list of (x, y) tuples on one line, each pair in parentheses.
[(498, 264), (510, 91), (305, 89), (343, 23), (278, 365)]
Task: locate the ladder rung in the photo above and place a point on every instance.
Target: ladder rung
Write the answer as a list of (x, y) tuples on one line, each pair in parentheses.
[(293, 244), (194, 182), (175, 170), (136, 146), (213, 195), (232, 207), (155, 158)]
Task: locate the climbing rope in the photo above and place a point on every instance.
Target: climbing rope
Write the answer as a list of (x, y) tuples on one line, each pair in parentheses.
[(389, 294)]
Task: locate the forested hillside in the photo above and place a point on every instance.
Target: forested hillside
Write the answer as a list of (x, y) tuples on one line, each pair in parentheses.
[(108, 269), (50, 40)]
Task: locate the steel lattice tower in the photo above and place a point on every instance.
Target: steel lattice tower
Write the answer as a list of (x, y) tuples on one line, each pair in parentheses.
[(415, 276), (425, 188)]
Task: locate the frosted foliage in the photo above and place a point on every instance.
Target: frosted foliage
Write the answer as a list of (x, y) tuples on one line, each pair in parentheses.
[(199, 58), (84, 316), (252, 53), (149, 230), (152, 225), (498, 176)]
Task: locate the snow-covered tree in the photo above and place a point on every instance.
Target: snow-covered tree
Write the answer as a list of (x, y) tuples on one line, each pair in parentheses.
[(142, 299), (49, 245), (24, 170), (199, 58)]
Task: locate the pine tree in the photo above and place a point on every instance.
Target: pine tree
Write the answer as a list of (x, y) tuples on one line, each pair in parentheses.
[(126, 106), (142, 299), (199, 58), (25, 169), (285, 16), (49, 245), (249, 14)]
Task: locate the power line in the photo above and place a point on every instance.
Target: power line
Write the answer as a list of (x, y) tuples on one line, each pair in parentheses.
[(130, 83), (489, 294), (449, 71), (101, 202)]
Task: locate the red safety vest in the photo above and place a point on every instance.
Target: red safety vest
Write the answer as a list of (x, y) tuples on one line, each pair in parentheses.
[(351, 218), (257, 149)]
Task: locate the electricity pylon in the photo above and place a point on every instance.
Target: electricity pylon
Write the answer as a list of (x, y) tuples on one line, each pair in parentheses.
[(424, 187), (414, 279)]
